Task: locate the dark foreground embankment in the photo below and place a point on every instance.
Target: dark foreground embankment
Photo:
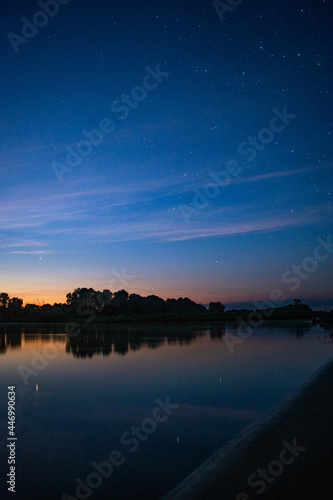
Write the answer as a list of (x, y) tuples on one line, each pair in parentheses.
[(287, 455)]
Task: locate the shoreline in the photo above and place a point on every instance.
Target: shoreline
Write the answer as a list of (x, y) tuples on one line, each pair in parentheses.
[(304, 417), (167, 321)]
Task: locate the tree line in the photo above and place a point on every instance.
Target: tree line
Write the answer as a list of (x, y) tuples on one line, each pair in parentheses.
[(86, 305)]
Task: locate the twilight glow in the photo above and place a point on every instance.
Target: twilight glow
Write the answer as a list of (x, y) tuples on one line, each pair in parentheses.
[(155, 148)]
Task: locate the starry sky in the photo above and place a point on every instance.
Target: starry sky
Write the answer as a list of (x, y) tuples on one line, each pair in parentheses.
[(168, 148)]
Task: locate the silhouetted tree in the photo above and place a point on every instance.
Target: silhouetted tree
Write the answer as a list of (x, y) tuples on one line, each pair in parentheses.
[(137, 304), (216, 307), (119, 300), (14, 308), (31, 312), (4, 298), (84, 301), (155, 304)]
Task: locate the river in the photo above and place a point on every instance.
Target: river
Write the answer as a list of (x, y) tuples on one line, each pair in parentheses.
[(126, 412)]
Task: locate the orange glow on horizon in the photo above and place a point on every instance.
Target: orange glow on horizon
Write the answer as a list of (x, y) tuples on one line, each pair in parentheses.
[(42, 297)]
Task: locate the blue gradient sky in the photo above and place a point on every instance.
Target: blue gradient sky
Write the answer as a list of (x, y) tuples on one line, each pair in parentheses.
[(116, 220)]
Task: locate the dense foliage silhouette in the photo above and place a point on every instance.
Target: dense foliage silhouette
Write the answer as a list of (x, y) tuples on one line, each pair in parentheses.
[(86, 305)]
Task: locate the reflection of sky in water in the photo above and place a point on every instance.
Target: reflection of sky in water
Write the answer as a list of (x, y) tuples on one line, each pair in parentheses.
[(86, 399)]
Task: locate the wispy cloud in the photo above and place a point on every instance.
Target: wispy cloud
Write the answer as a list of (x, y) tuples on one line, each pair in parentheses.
[(158, 227), (32, 252), (136, 211), (280, 173), (15, 242)]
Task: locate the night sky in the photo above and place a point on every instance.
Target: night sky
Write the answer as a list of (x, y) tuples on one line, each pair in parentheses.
[(183, 96)]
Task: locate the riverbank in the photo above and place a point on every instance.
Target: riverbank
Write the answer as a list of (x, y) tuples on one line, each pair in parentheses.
[(256, 465)]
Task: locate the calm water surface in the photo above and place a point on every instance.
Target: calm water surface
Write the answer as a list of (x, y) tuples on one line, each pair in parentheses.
[(75, 402)]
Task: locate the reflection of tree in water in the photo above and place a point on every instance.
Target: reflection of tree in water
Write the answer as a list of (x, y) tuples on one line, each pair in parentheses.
[(123, 338), (12, 336), (300, 329), (300, 332), (2, 343), (217, 333), (82, 346), (99, 340), (86, 344)]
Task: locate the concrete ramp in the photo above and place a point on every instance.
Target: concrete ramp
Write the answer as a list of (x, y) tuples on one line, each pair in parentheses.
[(287, 455)]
